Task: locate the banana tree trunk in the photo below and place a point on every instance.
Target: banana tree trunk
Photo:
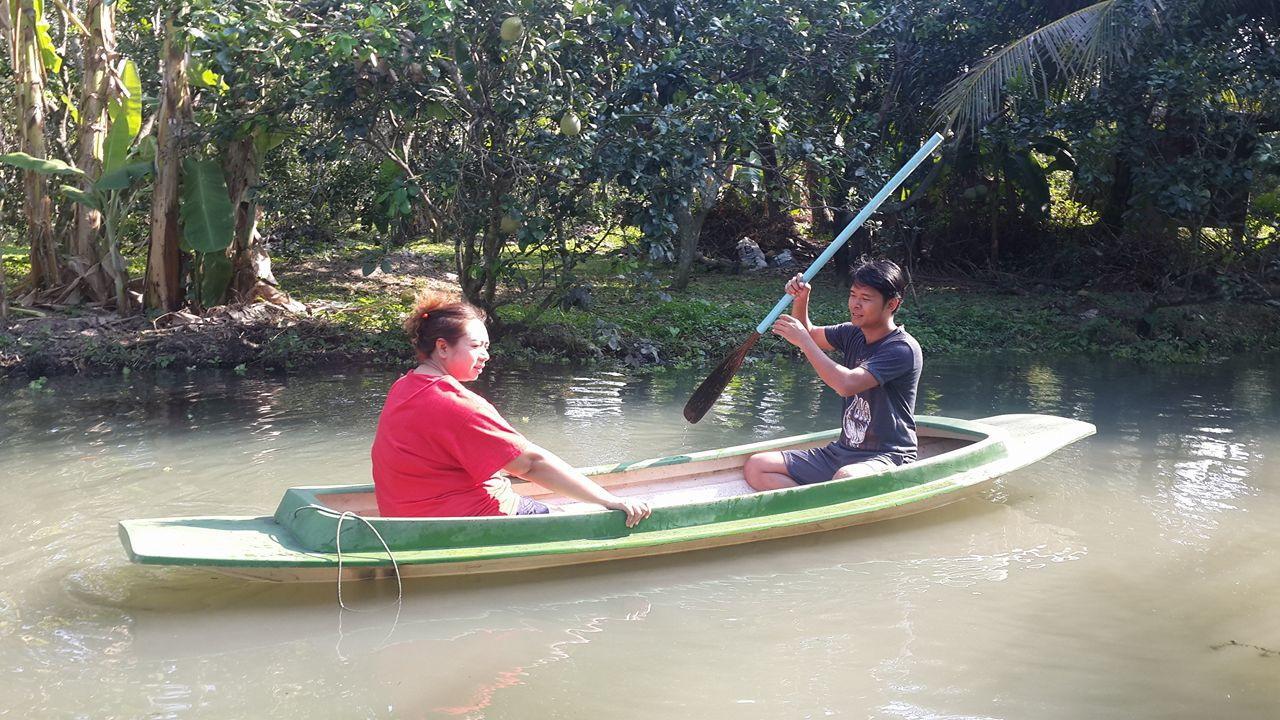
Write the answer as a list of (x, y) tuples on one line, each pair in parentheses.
[(86, 240), (6, 37), (248, 255), (4, 285), (28, 68), (164, 279)]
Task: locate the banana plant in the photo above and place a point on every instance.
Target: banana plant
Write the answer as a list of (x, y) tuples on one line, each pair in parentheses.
[(208, 226), (111, 193)]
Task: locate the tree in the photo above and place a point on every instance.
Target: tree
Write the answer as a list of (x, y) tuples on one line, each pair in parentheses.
[(29, 41), (1174, 95), (101, 85), (163, 289)]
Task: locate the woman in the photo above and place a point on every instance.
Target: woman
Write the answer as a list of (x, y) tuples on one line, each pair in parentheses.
[(439, 445)]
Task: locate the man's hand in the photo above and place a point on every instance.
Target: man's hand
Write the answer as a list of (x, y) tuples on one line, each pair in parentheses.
[(636, 510), (798, 288), (791, 330)]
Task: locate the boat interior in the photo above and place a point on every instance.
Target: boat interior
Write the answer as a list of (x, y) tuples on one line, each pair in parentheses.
[(659, 485)]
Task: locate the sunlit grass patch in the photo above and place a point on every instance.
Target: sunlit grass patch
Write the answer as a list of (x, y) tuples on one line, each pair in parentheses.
[(17, 262)]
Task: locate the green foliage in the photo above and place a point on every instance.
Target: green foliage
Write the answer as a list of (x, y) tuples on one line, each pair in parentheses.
[(44, 166), (215, 273), (125, 120), (207, 222), (121, 178), (1098, 145)]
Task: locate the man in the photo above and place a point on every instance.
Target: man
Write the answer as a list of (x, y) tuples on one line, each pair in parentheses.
[(877, 379)]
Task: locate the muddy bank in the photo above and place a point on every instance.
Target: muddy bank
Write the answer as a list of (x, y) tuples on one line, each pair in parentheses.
[(257, 336)]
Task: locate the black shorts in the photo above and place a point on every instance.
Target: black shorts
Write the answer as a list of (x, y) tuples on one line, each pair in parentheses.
[(817, 465)]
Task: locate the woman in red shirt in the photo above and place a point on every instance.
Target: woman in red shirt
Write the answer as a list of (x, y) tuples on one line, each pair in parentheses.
[(439, 446)]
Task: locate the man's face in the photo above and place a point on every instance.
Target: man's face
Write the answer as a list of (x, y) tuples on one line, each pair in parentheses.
[(867, 307)]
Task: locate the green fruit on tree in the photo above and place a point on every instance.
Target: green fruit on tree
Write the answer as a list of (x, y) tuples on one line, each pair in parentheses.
[(512, 29), (508, 225), (570, 125)]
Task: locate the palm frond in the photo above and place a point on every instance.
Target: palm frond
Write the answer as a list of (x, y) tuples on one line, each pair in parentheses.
[(1073, 52)]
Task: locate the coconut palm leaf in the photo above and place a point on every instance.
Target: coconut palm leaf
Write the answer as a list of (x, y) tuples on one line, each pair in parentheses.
[(1073, 51)]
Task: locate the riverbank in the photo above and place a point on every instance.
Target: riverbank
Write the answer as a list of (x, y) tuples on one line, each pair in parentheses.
[(619, 316)]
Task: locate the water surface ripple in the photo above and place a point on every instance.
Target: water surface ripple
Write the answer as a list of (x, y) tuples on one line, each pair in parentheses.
[(1129, 576)]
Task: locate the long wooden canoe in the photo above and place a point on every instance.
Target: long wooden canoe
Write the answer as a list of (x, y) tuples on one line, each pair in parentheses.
[(699, 500)]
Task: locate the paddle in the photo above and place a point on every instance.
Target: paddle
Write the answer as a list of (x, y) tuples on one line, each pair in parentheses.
[(705, 396)]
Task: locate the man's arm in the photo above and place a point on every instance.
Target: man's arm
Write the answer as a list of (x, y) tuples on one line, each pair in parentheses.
[(845, 381), (799, 289)]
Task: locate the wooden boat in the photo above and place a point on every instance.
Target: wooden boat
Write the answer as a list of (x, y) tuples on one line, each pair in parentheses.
[(699, 500)]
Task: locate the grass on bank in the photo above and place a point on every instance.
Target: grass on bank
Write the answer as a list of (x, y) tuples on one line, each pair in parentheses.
[(635, 317)]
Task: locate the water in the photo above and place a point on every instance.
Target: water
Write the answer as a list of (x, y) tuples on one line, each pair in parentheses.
[(1132, 575)]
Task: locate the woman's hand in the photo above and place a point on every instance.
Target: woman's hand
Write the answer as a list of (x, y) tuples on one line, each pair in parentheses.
[(548, 470), (798, 288), (791, 330), (636, 510)]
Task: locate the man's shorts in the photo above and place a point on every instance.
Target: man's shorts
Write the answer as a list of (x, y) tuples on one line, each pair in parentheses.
[(817, 465)]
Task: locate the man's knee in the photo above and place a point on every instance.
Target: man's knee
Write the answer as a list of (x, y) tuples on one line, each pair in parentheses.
[(751, 470), (858, 470)]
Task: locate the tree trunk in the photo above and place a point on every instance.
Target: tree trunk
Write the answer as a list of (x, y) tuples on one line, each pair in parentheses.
[(1117, 204), (690, 221), (86, 240), (28, 68), (820, 215), (993, 256), (771, 177), (688, 230), (860, 243), (6, 37), (164, 278), (249, 257)]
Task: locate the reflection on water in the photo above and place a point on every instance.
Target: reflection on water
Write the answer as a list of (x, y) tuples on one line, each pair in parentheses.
[(1094, 584)]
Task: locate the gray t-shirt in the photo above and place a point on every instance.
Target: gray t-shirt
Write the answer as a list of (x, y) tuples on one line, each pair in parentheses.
[(881, 419)]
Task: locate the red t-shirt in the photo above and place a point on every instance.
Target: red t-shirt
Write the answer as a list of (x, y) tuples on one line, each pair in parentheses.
[(437, 443)]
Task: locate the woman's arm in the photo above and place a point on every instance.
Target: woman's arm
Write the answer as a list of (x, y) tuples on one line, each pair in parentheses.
[(548, 470)]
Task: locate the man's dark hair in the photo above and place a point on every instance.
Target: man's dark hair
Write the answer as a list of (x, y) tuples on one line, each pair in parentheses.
[(883, 275)]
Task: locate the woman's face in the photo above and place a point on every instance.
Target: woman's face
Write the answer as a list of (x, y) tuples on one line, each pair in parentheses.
[(465, 359)]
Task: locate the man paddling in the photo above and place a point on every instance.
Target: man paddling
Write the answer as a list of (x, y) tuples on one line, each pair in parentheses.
[(877, 378)]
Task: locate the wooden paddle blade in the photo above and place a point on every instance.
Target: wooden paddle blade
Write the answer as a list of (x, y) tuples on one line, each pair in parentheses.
[(705, 396)]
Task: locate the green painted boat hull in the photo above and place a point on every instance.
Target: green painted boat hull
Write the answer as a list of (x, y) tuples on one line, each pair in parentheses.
[(300, 541)]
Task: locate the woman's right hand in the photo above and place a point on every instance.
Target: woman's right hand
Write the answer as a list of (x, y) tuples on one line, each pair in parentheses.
[(798, 288), (636, 510)]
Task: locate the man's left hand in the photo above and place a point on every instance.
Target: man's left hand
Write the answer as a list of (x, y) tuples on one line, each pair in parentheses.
[(791, 330)]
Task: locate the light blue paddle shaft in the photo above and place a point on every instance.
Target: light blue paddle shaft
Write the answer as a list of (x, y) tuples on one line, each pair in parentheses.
[(854, 224)]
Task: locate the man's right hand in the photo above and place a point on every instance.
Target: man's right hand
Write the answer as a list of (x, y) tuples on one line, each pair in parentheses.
[(798, 288)]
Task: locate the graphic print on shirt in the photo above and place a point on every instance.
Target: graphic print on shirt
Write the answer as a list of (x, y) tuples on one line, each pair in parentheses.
[(856, 419)]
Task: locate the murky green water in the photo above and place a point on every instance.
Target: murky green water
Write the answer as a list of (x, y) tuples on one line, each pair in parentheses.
[(1109, 581)]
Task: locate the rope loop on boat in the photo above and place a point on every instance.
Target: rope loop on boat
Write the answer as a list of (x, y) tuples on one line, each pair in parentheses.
[(337, 541)]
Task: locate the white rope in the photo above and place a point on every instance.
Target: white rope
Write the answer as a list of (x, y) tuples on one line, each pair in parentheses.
[(337, 540)]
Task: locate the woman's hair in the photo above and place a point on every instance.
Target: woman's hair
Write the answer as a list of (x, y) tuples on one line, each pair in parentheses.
[(883, 275), (438, 315)]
